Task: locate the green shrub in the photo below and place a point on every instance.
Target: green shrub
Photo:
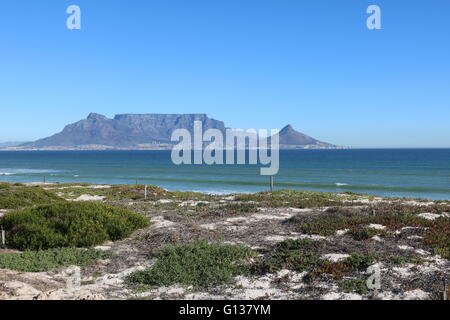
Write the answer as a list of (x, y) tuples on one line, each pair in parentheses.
[(438, 237), (292, 198), (69, 224), (198, 264), (14, 196), (116, 192), (38, 261), (353, 285), (359, 261), (363, 233), (296, 255), (239, 208)]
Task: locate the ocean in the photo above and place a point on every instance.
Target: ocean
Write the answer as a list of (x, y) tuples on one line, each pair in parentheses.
[(416, 173)]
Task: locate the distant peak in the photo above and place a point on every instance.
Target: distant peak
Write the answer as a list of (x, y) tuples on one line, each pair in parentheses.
[(96, 116), (287, 128)]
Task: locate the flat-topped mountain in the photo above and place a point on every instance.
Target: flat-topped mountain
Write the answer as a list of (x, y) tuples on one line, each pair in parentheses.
[(146, 131), (124, 130)]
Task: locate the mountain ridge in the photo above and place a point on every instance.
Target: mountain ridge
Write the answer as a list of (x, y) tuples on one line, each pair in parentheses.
[(147, 132)]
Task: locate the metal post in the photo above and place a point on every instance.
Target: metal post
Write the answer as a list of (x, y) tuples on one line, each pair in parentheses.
[(145, 192), (271, 183)]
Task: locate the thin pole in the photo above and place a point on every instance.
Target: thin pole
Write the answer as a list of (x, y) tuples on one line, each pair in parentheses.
[(145, 192), (3, 237), (444, 294), (271, 183)]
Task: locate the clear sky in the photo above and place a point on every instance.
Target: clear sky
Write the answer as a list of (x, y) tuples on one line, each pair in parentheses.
[(251, 63)]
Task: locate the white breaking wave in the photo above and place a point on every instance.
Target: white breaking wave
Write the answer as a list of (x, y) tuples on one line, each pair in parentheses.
[(341, 184), (11, 171), (218, 192)]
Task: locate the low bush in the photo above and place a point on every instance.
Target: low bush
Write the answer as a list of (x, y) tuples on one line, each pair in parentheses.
[(438, 237), (337, 270), (39, 261), (359, 261), (292, 198), (69, 224), (198, 264), (15, 196), (353, 286), (296, 255)]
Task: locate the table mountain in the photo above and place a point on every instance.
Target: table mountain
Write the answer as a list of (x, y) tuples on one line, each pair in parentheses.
[(124, 130), (146, 131)]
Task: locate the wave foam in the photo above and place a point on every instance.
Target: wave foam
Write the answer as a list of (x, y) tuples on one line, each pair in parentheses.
[(11, 171)]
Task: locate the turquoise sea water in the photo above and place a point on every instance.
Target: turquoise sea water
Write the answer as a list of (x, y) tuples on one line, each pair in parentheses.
[(418, 173)]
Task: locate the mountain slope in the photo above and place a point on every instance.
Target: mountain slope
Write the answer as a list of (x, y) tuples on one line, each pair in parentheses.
[(8, 144), (290, 138), (124, 130)]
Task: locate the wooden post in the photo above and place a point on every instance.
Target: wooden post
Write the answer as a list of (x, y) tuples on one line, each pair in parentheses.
[(145, 192), (444, 293), (3, 238), (271, 183)]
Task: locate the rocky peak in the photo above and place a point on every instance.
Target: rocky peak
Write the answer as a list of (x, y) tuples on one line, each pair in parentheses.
[(96, 116), (287, 129)]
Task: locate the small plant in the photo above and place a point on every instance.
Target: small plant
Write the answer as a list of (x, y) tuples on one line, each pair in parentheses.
[(337, 270), (297, 255), (239, 208), (328, 225), (39, 261), (363, 233), (439, 237), (359, 261), (69, 224), (404, 260), (198, 264), (353, 286)]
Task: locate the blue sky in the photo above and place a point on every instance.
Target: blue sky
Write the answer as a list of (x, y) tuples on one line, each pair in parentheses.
[(250, 63)]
